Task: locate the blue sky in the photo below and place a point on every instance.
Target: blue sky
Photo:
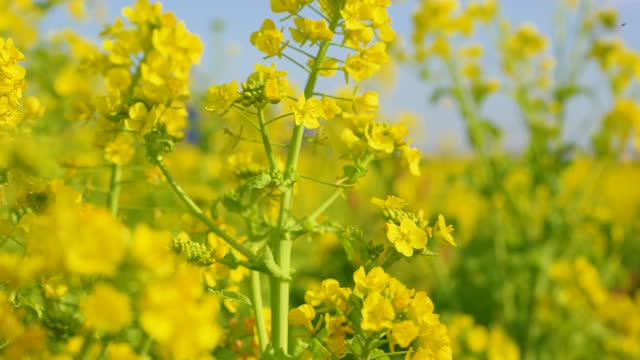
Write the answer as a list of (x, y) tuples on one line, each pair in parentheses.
[(230, 56)]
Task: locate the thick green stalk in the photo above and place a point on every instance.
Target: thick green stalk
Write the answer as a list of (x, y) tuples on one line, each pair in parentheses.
[(256, 299), (114, 189), (282, 240), (197, 212)]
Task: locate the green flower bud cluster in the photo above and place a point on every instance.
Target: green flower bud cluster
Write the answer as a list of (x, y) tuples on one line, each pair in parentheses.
[(253, 93), (193, 252)]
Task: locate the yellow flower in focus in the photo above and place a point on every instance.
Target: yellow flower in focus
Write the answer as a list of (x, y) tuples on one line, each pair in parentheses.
[(307, 112), (379, 137), (268, 39), (404, 332), (221, 97), (106, 309), (444, 231), (377, 313), (275, 90), (310, 30), (329, 294), (406, 237), (290, 6), (375, 281), (302, 316), (401, 295)]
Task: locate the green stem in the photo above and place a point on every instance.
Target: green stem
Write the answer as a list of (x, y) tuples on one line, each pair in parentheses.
[(387, 354), (145, 345), (325, 205), (295, 62), (300, 51), (337, 184), (256, 298), (278, 118), (245, 117), (114, 189), (334, 97), (265, 139), (282, 237), (197, 212)]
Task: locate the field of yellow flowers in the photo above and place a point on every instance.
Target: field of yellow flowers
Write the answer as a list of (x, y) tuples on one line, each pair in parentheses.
[(260, 219)]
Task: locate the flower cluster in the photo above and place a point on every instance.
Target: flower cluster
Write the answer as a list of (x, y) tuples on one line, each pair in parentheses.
[(578, 286), (379, 312), (11, 83), (438, 25), (473, 341), (151, 99), (99, 260), (620, 124), (69, 242), (409, 231)]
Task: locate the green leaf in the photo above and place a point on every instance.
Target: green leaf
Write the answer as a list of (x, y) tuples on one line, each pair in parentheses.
[(378, 354), (297, 347), (232, 295)]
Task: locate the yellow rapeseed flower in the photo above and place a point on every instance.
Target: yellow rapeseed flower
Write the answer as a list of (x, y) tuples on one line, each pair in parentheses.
[(444, 231), (106, 309), (404, 332), (308, 112), (310, 30), (375, 281), (377, 313), (171, 305), (302, 316), (221, 97), (120, 151), (268, 39), (406, 237)]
